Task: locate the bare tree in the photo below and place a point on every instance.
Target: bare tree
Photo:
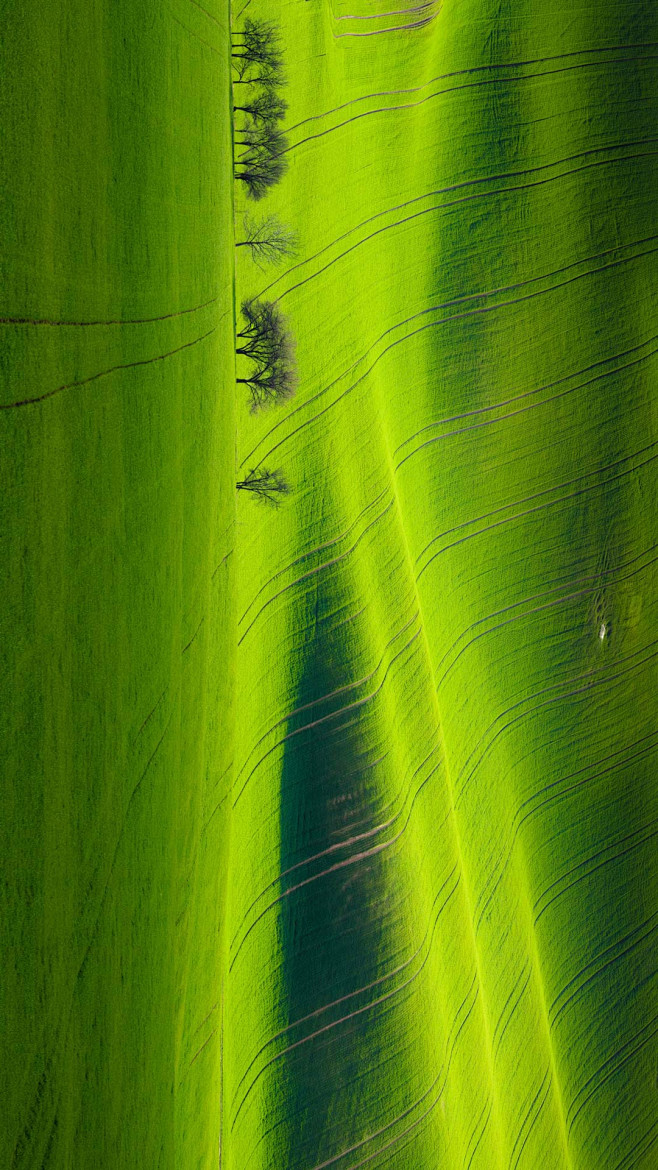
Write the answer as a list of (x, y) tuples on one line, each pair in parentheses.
[(260, 40), (257, 51), (259, 172), (265, 75), (266, 106), (267, 486), (264, 336), (270, 385), (263, 163), (267, 342), (262, 140), (269, 241)]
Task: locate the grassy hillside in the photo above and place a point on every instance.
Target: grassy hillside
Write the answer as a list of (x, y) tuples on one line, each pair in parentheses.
[(443, 909), (116, 629), (328, 834)]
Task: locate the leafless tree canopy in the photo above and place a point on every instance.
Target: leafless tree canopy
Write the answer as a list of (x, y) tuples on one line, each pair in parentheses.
[(266, 106), (258, 61), (263, 162), (261, 140), (268, 487), (257, 54), (269, 241), (260, 174), (266, 341)]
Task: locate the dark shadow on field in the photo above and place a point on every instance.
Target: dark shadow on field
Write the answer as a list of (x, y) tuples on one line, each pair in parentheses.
[(331, 928)]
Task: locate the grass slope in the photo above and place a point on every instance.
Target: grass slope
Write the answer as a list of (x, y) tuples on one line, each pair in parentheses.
[(443, 897), (117, 624)]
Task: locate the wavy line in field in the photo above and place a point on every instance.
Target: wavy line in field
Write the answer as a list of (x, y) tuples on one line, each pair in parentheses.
[(532, 511), (311, 552), (441, 1076), (357, 704), (596, 578), (644, 931), (512, 1002), (636, 1153), (342, 690), (193, 638), (469, 85), (216, 809), (447, 190), (451, 1041), (479, 69), (427, 938), (348, 842), (312, 572), (323, 623), (486, 309), (105, 374), (354, 825), (513, 414), (588, 674), (388, 996), (588, 686), (149, 716), (375, 32), (651, 1024), (115, 321), (205, 1019), (447, 205), (452, 418), (342, 864), (382, 15), (198, 1052), (407, 320), (530, 1119), (222, 562), (499, 866), (638, 836), (487, 1108), (331, 695), (554, 685), (529, 393), (536, 496)]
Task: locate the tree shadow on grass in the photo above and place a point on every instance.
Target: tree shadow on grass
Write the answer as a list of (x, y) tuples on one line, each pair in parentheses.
[(332, 926)]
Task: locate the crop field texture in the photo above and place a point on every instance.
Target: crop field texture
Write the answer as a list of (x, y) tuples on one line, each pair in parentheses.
[(117, 632), (443, 897), (329, 833)]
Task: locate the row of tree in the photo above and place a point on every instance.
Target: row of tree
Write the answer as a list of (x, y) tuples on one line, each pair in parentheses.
[(260, 162), (258, 60)]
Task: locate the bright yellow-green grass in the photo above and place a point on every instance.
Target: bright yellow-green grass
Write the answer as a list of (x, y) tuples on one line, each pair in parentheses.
[(443, 891), (116, 625), (329, 835)]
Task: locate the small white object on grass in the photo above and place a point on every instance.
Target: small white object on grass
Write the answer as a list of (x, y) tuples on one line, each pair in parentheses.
[(602, 631)]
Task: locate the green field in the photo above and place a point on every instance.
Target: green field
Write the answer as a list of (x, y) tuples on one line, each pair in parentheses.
[(330, 833), (117, 628)]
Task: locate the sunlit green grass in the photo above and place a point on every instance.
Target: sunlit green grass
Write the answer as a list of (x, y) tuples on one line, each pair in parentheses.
[(446, 669), (116, 628), (328, 832)]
